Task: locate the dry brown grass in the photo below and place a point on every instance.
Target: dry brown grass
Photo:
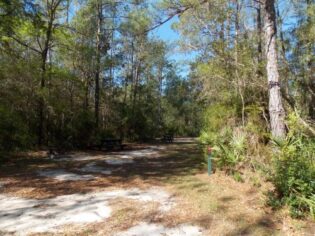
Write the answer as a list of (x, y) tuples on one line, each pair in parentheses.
[(217, 203)]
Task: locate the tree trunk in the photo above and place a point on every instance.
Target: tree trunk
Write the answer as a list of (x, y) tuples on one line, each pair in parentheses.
[(310, 66), (41, 102), (51, 10), (160, 120), (276, 111), (135, 93), (98, 64), (259, 32), (238, 79)]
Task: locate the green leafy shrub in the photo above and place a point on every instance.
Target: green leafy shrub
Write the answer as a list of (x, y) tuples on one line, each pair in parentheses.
[(310, 202), (294, 170), (13, 131), (229, 144), (215, 129), (232, 151)]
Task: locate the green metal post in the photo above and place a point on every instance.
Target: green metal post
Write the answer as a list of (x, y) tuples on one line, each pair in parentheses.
[(209, 150), (209, 164)]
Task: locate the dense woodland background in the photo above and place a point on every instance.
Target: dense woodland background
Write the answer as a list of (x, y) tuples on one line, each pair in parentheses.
[(73, 72)]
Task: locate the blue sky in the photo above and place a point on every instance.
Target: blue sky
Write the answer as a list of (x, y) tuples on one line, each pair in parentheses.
[(166, 33)]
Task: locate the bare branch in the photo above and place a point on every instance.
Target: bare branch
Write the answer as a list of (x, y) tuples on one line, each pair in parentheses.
[(178, 11), (25, 44)]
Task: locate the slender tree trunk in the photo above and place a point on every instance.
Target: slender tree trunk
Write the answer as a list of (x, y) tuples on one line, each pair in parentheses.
[(98, 64), (160, 96), (41, 102), (135, 92), (133, 62), (86, 95), (112, 68), (51, 9), (259, 33), (238, 79), (67, 11), (310, 67), (228, 30), (124, 107), (276, 111)]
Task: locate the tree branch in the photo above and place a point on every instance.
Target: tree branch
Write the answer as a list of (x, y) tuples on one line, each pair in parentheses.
[(178, 11), (25, 44)]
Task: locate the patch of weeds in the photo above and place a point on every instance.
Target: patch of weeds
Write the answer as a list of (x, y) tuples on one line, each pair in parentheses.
[(238, 177), (255, 181), (299, 225), (273, 200)]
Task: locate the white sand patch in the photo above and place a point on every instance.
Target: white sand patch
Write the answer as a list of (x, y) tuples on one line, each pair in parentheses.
[(127, 157), (120, 158), (80, 157), (143, 153), (118, 161), (154, 194), (145, 229), (185, 140), (92, 167), (157, 147), (24, 216), (148, 152), (62, 175)]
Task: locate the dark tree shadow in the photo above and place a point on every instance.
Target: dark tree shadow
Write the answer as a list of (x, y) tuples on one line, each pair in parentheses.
[(172, 161)]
